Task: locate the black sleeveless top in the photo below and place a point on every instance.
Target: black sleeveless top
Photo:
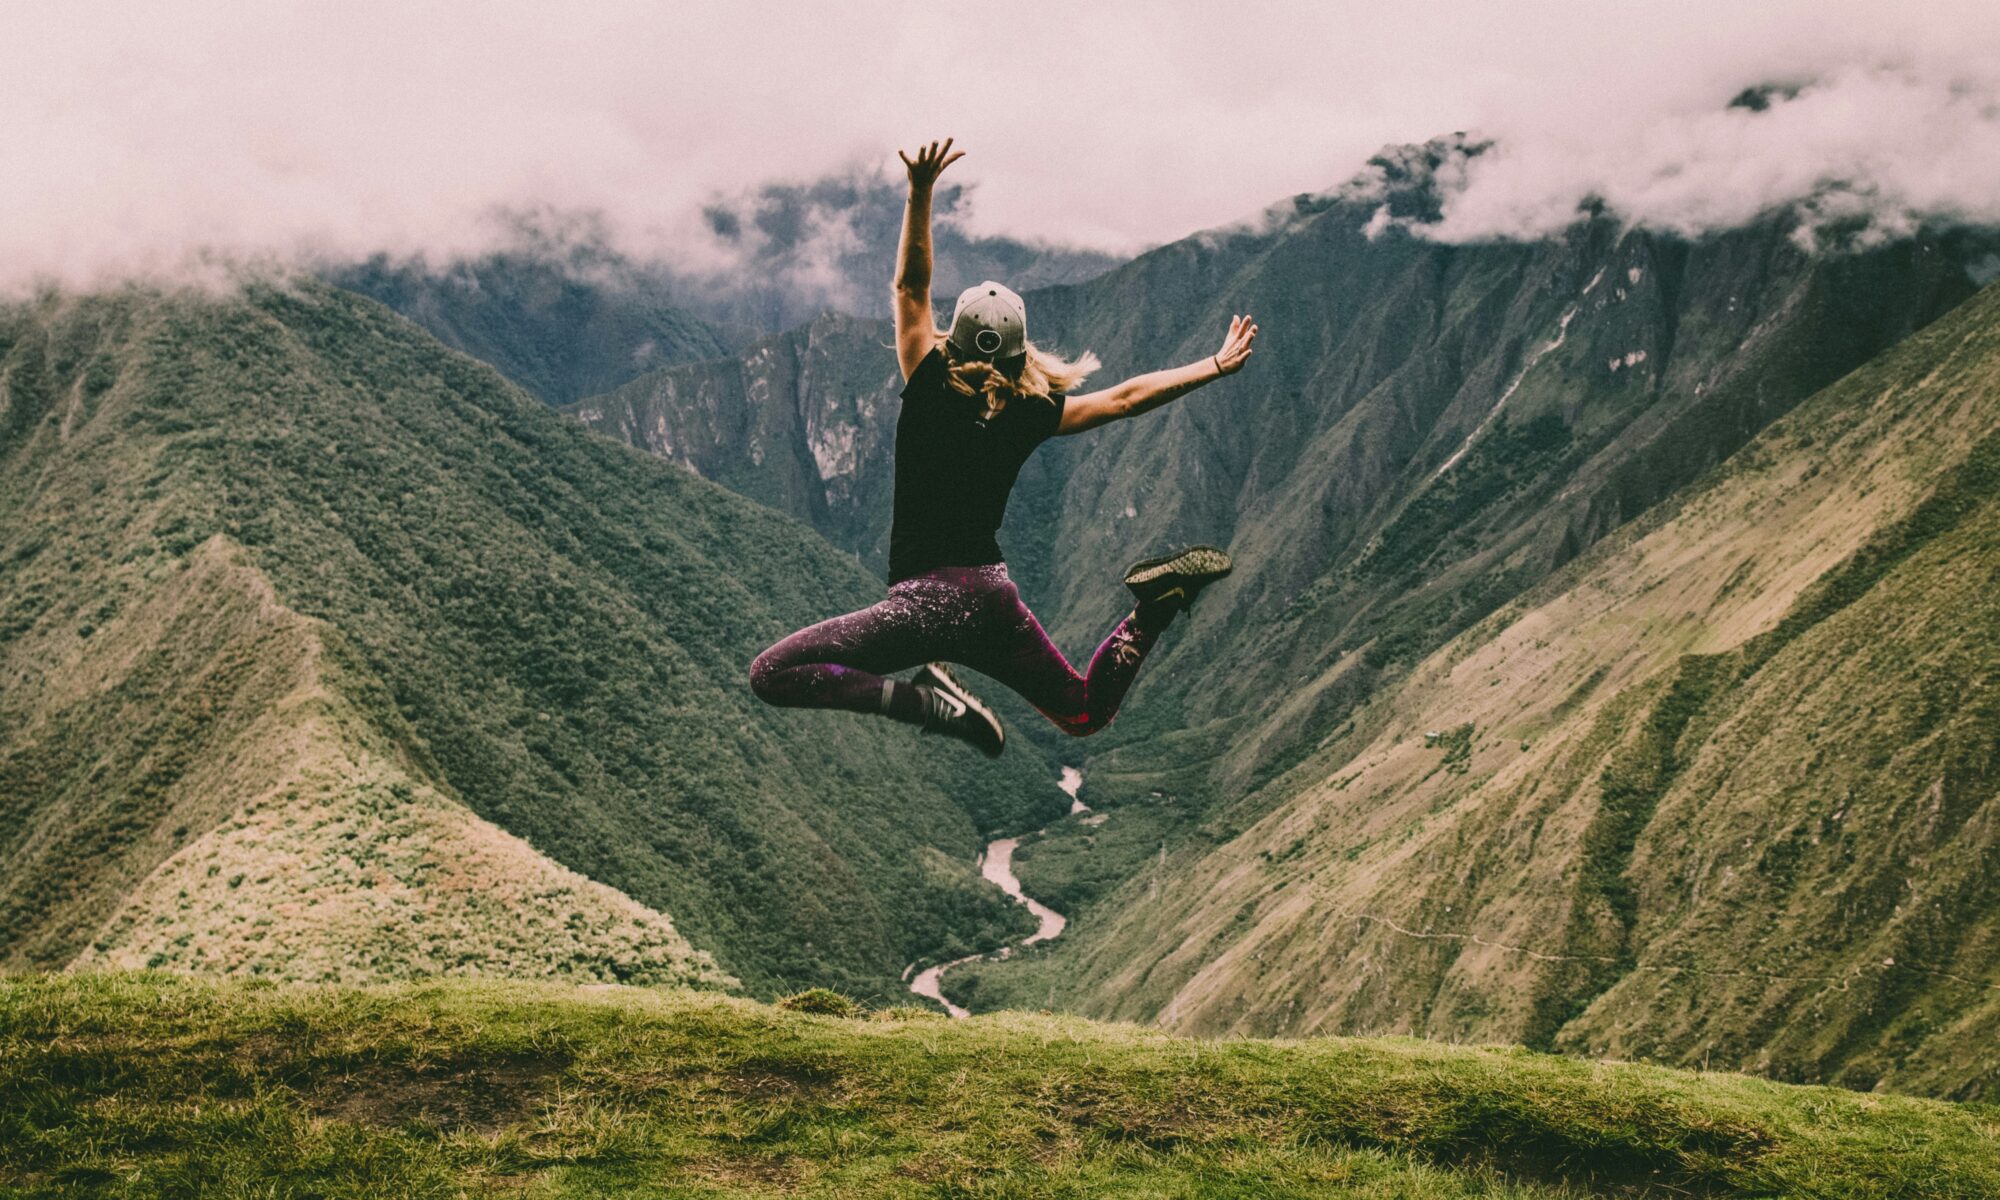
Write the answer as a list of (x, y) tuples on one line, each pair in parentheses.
[(954, 469)]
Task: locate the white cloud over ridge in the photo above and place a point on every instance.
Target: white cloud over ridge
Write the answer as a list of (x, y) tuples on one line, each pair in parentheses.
[(136, 137), (1883, 148)]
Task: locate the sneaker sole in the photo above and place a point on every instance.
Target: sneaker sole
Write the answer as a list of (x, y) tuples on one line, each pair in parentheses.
[(1195, 561), (949, 682)]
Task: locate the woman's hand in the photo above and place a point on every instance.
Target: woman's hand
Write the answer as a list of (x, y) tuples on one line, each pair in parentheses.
[(1143, 393), (931, 162), (1236, 347)]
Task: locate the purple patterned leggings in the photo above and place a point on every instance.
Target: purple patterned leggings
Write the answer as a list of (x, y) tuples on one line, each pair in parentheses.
[(967, 615)]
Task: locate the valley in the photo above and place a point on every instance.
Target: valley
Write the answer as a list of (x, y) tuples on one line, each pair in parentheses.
[(1609, 608), (996, 865), (1507, 620), (1438, 442)]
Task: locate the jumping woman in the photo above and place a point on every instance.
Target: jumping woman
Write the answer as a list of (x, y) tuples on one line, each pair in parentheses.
[(978, 398)]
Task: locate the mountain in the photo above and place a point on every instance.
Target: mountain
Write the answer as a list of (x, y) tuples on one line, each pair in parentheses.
[(152, 1085), (329, 654), (1428, 434), (1426, 430), (562, 322), (1721, 791), (803, 421), (566, 315)]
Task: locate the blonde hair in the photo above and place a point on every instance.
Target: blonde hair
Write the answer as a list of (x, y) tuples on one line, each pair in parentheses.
[(1041, 374)]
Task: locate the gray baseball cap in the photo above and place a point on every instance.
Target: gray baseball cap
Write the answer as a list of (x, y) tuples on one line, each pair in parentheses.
[(990, 322)]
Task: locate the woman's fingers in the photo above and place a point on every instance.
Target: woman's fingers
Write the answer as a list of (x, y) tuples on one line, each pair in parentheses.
[(1236, 347), (932, 157)]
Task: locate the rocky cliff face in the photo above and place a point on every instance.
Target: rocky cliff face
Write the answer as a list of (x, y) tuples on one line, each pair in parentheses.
[(803, 421)]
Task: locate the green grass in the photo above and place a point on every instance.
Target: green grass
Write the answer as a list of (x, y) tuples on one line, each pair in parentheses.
[(156, 1085)]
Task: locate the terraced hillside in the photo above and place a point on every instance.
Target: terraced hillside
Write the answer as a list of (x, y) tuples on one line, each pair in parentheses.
[(326, 653)]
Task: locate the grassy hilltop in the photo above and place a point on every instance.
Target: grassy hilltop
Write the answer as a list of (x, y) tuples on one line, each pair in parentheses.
[(152, 1085)]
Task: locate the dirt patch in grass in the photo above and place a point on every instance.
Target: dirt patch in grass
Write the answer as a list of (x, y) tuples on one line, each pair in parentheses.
[(1184, 1116), (766, 1077), (762, 1174), (486, 1097)]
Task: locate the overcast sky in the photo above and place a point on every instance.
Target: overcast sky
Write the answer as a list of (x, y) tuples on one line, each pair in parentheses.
[(133, 133)]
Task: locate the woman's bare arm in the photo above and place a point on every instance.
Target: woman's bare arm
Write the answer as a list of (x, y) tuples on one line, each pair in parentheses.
[(916, 328), (1142, 393)]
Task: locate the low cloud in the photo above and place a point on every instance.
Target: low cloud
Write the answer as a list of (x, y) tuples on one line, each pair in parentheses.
[(1873, 152), (145, 138)]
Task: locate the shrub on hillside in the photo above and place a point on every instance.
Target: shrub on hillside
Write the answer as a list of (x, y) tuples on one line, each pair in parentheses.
[(824, 1001)]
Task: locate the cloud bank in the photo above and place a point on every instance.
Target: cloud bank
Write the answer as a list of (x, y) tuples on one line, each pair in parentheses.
[(1874, 152), (143, 137)]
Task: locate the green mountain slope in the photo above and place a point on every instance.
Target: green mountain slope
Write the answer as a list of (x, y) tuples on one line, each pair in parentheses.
[(561, 325), (141, 1085), (284, 582), (803, 421), (190, 787), (1427, 431), (1722, 791), (1428, 434)]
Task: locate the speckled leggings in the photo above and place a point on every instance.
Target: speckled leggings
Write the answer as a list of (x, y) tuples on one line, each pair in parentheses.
[(967, 615)]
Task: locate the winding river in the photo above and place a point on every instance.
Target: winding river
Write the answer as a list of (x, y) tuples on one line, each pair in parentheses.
[(996, 863)]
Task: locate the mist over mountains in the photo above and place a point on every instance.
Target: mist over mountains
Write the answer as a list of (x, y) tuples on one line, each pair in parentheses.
[(566, 314), (138, 143)]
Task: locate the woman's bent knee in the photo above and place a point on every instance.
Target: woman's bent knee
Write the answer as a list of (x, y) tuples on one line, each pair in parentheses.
[(765, 672)]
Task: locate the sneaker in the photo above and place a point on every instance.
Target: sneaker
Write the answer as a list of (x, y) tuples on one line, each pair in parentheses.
[(951, 709), (1176, 578)]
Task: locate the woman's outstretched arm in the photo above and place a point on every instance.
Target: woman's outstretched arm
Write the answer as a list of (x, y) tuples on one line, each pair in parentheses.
[(916, 328), (1142, 393)]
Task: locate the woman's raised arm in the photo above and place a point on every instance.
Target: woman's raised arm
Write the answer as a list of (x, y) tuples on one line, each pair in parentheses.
[(916, 328), (1143, 392)]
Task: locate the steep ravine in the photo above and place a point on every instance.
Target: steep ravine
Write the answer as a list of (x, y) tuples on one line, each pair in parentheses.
[(996, 863)]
